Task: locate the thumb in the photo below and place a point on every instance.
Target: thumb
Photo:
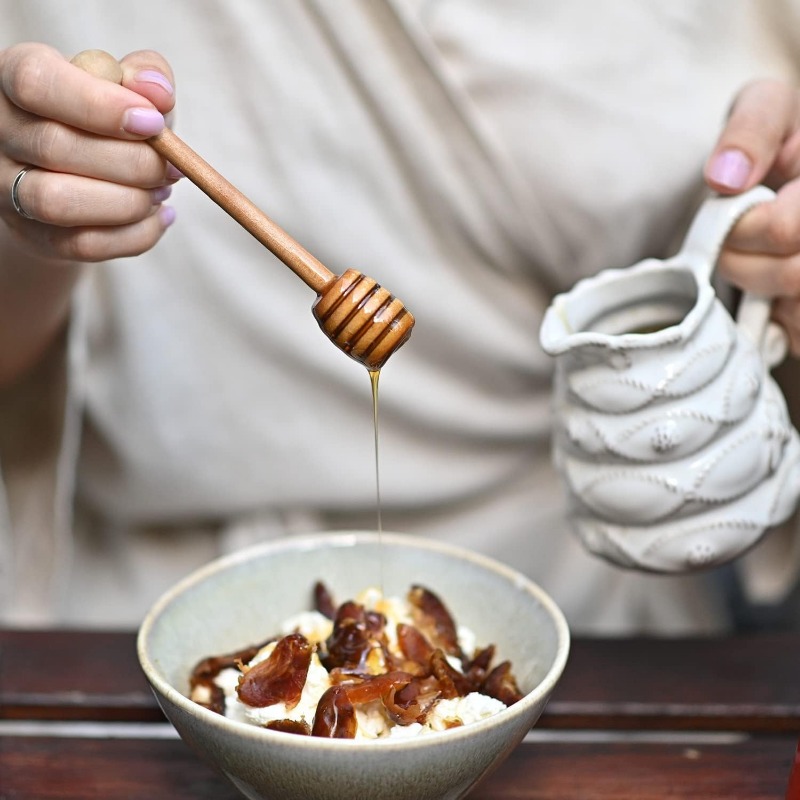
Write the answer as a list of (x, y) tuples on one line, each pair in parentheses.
[(763, 117), (147, 73)]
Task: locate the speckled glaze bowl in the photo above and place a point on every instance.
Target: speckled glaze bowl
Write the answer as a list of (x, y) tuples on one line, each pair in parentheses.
[(242, 598)]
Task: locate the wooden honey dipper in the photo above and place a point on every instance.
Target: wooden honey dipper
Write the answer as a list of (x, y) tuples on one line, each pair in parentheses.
[(357, 314)]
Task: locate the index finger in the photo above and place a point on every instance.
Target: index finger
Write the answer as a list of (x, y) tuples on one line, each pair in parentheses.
[(41, 81), (771, 228)]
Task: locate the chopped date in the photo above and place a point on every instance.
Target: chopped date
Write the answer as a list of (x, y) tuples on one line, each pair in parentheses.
[(323, 602), (356, 632), (451, 682), (297, 726), (412, 702), (501, 684), (434, 620), (413, 644), (208, 668), (375, 687), (208, 694), (335, 717), (280, 677), (481, 660)]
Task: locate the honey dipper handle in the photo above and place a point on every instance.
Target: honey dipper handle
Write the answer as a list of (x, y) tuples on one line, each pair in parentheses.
[(103, 65), (313, 272)]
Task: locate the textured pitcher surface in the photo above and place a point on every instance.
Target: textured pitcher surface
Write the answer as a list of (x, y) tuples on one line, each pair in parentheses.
[(674, 442)]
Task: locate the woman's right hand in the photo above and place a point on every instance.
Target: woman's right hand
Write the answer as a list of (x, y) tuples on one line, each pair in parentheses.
[(97, 189)]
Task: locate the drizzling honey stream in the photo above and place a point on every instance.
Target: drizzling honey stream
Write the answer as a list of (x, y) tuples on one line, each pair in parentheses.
[(374, 379)]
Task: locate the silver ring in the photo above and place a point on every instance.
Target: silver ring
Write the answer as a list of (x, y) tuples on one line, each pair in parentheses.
[(15, 192)]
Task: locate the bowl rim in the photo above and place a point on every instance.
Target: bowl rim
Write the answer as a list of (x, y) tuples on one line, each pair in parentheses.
[(347, 539)]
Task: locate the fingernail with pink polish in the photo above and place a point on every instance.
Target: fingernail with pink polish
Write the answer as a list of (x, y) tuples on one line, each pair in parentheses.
[(166, 215), (173, 173), (730, 168), (143, 121), (160, 194), (153, 76)]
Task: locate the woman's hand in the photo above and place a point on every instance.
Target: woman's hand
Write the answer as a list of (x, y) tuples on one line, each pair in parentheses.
[(97, 188), (761, 144), (94, 193)]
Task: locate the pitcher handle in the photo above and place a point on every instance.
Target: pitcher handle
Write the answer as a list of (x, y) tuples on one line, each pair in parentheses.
[(701, 249)]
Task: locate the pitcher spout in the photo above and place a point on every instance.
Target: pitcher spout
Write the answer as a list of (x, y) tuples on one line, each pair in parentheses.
[(648, 305)]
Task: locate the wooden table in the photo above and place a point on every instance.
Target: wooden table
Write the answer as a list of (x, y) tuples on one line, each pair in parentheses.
[(631, 718)]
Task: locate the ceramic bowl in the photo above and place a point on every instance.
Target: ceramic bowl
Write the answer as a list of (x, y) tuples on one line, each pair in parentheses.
[(243, 598)]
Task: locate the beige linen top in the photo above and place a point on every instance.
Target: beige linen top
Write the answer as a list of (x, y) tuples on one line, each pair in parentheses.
[(474, 156)]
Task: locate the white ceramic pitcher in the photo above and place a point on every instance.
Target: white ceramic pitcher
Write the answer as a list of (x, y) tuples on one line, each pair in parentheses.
[(673, 440)]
